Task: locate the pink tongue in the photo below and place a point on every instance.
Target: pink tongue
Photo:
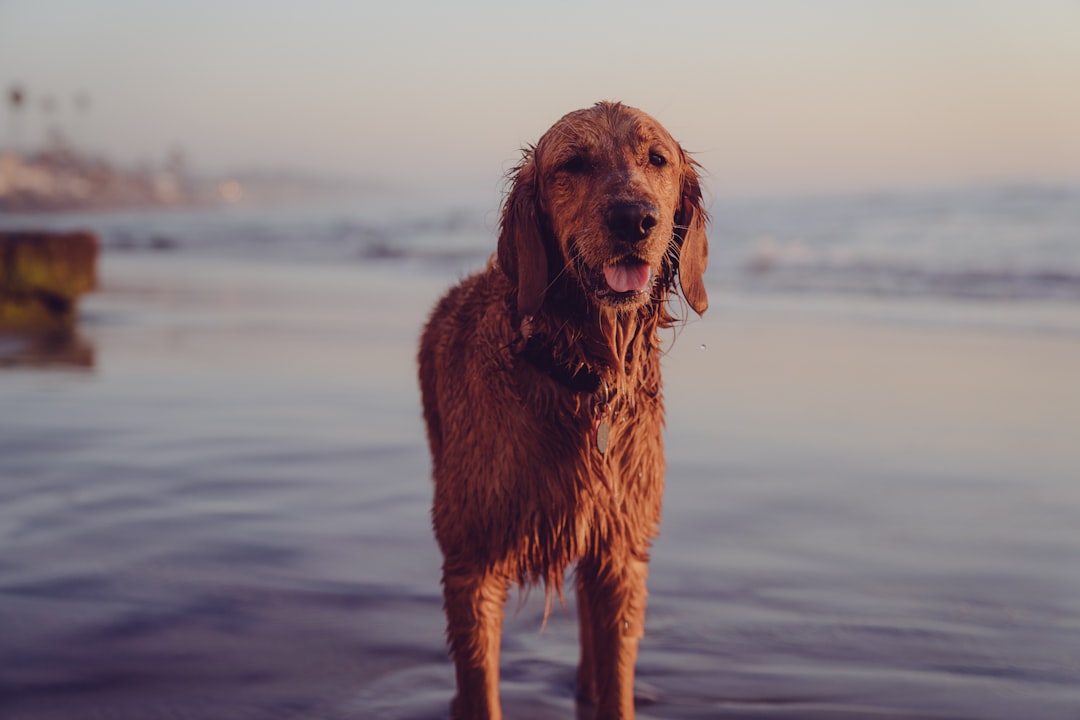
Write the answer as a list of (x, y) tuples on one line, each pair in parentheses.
[(628, 277)]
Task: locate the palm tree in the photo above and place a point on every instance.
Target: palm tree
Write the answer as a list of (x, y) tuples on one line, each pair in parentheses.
[(82, 111), (16, 98)]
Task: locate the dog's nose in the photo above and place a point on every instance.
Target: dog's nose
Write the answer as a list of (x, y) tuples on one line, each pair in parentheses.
[(631, 220)]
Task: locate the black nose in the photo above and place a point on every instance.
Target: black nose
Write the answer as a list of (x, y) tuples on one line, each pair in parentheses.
[(631, 220)]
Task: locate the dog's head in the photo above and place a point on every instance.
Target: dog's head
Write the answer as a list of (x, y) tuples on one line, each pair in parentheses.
[(609, 198)]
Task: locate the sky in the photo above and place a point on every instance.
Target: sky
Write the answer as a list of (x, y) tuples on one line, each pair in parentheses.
[(768, 94)]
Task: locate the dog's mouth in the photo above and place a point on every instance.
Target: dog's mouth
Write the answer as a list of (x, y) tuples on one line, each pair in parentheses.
[(628, 276), (623, 282)]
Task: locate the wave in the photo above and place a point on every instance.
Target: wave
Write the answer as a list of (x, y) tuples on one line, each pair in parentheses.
[(983, 244), (900, 280)]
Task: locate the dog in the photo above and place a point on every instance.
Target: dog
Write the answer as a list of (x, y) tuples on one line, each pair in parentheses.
[(540, 380)]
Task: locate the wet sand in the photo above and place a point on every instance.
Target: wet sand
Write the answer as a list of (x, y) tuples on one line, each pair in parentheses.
[(871, 512)]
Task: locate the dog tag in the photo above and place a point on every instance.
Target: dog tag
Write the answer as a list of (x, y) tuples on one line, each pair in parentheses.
[(603, 432)]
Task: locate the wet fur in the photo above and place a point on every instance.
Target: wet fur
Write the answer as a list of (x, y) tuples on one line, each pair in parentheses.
[(521, 490)]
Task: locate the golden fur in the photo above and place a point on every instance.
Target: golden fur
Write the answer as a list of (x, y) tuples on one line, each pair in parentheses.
[(520, 367)]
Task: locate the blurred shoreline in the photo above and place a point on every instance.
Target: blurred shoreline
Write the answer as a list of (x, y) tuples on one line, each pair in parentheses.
[(60, 179)]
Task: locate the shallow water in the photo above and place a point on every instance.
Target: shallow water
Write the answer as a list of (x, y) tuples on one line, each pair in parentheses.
[(872, 509)]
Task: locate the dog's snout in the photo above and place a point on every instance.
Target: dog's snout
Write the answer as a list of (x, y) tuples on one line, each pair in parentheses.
[(632, 221)]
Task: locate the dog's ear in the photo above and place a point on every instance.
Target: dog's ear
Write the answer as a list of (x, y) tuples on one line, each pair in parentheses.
[(690, 221), (522, 254)]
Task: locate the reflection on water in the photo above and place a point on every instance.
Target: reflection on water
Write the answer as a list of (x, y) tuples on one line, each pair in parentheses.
[(63, 347)]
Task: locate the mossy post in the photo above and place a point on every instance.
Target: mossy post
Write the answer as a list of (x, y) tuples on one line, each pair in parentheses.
[(42, 276)]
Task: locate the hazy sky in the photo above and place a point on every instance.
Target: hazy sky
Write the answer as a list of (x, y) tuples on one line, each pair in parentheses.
[(771, 94)]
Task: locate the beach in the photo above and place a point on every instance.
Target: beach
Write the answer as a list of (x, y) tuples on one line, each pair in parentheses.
[(872, 506)]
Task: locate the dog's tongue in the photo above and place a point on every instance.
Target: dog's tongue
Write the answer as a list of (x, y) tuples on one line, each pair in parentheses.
[(628, 277)]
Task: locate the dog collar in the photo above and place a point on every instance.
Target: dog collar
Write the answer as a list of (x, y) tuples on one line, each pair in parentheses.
[(538, 354)]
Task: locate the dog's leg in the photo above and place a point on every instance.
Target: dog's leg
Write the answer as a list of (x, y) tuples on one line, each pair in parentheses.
[(587, 669), (474, 614), (612, 615)]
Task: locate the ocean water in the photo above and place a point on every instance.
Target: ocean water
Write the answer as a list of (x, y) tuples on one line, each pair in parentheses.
[(214, 493), (984, 243)]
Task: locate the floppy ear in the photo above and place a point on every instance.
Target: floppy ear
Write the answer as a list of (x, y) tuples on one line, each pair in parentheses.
[(690, 221), (522, 255)]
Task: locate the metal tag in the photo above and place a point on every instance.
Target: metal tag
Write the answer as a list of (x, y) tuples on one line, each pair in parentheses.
[(603, 432)]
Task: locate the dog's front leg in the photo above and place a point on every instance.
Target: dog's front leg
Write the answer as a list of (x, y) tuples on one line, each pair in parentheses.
[(474, 614), (612, 615)]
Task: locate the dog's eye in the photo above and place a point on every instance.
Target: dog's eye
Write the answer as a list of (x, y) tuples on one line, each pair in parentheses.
[(575, 165), (657, 160)]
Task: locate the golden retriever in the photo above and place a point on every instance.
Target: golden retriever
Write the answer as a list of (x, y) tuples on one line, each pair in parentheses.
[(540, 378)]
